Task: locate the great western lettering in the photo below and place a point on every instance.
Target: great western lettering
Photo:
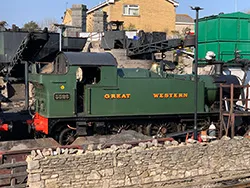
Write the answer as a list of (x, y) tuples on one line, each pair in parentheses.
[(117, 96), (170, 95)]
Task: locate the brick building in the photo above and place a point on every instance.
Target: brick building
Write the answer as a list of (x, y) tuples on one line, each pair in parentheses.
[(184, 21), (147, 15)]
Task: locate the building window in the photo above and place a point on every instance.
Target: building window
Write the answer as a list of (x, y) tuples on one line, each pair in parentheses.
[(131, 10)]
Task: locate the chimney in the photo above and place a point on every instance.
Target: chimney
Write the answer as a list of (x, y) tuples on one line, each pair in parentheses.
[(79, 15)]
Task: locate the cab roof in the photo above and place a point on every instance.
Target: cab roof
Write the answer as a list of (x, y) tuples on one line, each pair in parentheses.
[(88, 58)]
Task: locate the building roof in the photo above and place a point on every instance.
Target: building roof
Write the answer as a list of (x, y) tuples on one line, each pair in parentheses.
[(184, 18), (107, 2)]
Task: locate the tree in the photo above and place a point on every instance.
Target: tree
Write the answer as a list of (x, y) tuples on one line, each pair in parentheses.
[(31, 26), (49, 23)]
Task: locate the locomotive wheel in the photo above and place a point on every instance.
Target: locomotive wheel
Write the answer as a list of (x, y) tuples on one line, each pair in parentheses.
[(160, 130), (155, 130), (67, 136), (117, 129)]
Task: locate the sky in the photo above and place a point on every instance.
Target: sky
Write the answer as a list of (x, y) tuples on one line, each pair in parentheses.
[(20, 12)]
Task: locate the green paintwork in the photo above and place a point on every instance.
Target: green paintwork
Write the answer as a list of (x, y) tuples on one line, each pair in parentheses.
[(142, 101), (141, 84), (223, 34), (46, 85)]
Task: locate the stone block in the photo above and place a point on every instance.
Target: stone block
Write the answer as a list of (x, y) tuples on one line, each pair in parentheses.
[(66, 185), (58, 151), (94, 175), (167, 143), (32, 165), (33, 153), (45, 176), (91, 147), (80, 152), (46, 152), (34, 177), (175, 143), (144, 174), (114, 148), (142, 145), (36, 171), (78, 176), (52, 183), (66, 151), (37, 184), (147, 180), (225, 138), (109, 172), (72, 151), (127, 181), (54, 176)]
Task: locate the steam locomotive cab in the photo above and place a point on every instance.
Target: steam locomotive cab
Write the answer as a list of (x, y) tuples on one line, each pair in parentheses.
[(61, 89)]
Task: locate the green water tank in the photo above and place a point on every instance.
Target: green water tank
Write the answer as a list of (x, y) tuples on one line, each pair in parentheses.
[(223, 34)]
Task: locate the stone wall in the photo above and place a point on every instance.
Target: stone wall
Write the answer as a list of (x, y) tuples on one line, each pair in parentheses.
[(148, 165)]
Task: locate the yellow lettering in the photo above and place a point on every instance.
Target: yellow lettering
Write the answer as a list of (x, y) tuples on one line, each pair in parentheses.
[(156, 95), (107, 96), (118, 96), (124, 96), (170, 95), (185, 95), (128, 96), (166, 95)]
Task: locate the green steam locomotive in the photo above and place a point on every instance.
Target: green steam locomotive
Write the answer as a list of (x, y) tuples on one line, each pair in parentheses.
[(85, 93)]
